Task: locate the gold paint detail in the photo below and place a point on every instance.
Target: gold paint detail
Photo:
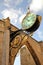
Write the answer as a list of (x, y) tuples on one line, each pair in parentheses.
[(16, 41)]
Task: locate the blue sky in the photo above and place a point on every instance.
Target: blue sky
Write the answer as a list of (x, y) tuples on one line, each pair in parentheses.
[(16, 10)]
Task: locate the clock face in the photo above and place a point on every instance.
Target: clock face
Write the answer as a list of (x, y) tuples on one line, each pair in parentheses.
[(28, 21)]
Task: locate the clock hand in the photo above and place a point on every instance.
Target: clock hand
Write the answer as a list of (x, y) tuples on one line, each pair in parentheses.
[(28, 20)]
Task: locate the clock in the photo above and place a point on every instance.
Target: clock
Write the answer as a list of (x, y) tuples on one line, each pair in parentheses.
[(28, 21)]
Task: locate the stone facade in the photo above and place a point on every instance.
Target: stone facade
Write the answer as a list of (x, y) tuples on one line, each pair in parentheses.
[(9, 50), (4, 43)]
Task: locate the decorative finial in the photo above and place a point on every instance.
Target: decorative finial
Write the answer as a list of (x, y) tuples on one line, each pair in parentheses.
[(28, 11)]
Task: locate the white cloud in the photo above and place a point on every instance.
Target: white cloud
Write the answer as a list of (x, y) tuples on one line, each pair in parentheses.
[(17, 60), (13, 14), (21, 18), (36, 5), (18, 2), (9, 3), (6, 3), (40, 34)]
